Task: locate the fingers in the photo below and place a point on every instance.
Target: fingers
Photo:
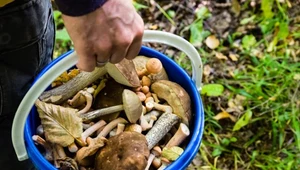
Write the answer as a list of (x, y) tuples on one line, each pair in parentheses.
[(86, 59)]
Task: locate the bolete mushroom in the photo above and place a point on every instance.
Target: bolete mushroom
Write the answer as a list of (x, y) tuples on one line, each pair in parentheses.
[(131, 105), (128, 150), (175, 96), (124, 73)]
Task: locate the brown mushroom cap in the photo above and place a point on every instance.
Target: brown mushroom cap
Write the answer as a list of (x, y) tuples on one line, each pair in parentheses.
[(128, 150), (175, 96), (124, 73), (132, 105)]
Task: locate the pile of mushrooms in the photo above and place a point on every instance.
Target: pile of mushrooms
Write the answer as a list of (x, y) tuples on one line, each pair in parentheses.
[(121, 116)]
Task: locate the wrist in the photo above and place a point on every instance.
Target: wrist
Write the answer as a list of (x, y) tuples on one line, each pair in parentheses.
[(78, 7)]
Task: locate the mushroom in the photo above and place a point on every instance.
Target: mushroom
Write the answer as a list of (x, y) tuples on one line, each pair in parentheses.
[(175, 96), (83, 155), (124, 73), (64, 92), (140, 64), (48, 148), (155, 152), (153, 66), (134, 128), (155, 113), (88, 132), (120, 128), (161, 127), (182, 133), (164, 163), (111, 125), (119, 153), (131, 105), (150, 104), (62, 161), (73, 147)]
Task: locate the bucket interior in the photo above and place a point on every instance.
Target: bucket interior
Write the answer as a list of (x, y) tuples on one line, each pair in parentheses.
[(175, 73)]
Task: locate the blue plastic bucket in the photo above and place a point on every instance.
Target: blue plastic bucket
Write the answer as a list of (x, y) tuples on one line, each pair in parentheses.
[(175, 73)]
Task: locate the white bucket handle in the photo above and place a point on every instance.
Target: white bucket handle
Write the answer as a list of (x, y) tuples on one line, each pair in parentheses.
[(66, 63)]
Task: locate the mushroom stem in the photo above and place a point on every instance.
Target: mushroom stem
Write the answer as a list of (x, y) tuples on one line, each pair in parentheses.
[(101, 112), (111, 125), (150, 160), (48, 149), (164, 163), (181, 134), (153, 66), (161, 127), (89, 100), (85, 126), (73, 148), (150, 104), (77, 100), (156, 163), (155, 113), (88, 132), (120, 128)]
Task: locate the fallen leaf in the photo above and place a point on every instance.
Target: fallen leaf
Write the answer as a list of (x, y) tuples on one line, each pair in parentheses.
[(224, 115), (207, 70), (233, 57), (61, 125), (212, 42), (243, 121), (297, 76), (212, 89), (221, 56)]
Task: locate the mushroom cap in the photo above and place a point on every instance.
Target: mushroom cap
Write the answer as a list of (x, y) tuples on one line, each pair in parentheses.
[(132, 105), (128, 150), (140, 64), (124, 73), (175, 96)]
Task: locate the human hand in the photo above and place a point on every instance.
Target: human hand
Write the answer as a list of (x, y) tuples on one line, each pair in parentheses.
[(108, 34)]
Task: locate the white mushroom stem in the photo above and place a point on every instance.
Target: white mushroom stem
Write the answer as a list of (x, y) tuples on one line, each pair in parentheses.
[(120, 128), (60, 151), (73, 148), (150, 104), (113, 132), (77, 100), (87, 125), (161, 127), (110, 126), (150, 160), (48, 149), (88, 132), (155, 113), (182, 133), (145, 124), (89, 100)]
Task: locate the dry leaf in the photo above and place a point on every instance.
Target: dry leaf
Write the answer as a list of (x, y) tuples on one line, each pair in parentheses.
[(233, 57), (61, 125), (224, 115), (221, 56), (212, 42)]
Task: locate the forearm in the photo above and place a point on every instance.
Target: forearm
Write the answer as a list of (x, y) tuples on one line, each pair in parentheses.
[(78, 7)]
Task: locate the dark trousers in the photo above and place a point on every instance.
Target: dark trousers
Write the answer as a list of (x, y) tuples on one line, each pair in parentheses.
[(26, 46)]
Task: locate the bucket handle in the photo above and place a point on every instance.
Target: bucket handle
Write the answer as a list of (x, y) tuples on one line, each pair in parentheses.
[(182, 45), (67, 62)]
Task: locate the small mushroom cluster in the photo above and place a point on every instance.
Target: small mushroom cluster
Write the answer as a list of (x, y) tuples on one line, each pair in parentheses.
[(132, 115)]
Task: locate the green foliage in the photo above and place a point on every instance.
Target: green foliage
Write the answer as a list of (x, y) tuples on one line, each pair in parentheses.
[(212, 89), (198, 33), (243, 121)]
